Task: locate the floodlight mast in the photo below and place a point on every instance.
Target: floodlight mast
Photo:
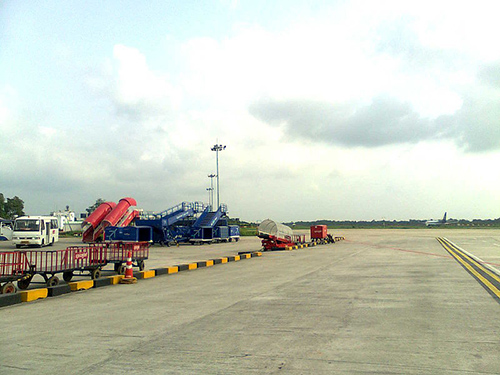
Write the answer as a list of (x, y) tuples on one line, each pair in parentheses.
[(217, 148)]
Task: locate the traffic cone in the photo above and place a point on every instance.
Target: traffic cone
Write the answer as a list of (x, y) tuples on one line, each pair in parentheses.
[(129, 273)]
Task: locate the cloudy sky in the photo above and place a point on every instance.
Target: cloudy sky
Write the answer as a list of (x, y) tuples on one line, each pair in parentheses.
[(329, 109)]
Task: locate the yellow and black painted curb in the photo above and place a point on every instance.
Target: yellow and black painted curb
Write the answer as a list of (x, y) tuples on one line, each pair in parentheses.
[(486, 276), (41, 293)]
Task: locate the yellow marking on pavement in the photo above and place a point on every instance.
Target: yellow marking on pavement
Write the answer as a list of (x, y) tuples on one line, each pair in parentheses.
[(210, 263), (192, 266), (471, 270), (223, 260), (237, 258), (479, 265)]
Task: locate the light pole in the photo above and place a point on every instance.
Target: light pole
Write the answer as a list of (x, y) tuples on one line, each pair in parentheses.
[(218, 148), (211, 199)]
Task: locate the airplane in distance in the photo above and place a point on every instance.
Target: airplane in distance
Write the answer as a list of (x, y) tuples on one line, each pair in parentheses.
[(435, 223)]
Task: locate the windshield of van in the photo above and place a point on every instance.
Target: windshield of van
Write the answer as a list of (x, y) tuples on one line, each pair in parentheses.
[(27, 225)]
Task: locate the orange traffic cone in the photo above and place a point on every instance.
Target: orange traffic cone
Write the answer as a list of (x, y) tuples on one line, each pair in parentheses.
[(129, 274)]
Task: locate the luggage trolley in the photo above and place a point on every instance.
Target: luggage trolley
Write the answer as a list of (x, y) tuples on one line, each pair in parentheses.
[(117, 253), (13, 267), (81, 259)]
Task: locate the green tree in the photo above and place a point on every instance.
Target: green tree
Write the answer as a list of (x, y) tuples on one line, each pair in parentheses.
[(97, 203), (11, 208), (2, 206)]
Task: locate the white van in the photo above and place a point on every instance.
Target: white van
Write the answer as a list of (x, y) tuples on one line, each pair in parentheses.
[(35, 230)]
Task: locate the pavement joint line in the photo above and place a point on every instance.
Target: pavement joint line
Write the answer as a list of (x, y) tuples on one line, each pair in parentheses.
[(82, 285)]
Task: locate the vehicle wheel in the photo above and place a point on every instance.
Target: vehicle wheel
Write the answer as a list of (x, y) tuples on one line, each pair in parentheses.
[(95, 273), (52, 243), (18, 246), (167, 244), (8, 288), (53, 281), (140, 264), (67, 276), (117, 267), (230, 239), (236, 239), (24, 283), (161, 243), (122, 269)]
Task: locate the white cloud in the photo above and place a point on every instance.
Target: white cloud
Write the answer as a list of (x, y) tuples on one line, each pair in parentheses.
[(136, 82)]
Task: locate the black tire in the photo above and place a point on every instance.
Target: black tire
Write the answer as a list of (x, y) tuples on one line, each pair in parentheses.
[(117, 267), (95, 273), (24, 283), (67, 276), (122, 269), (236, 239), (7, 288), (140, 264), (18, 246), (53, 281)]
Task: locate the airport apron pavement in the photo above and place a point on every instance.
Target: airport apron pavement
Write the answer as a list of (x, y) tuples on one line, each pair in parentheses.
[(379, 302)]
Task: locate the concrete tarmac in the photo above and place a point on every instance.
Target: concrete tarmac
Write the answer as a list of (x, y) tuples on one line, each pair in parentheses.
[(381, 302)]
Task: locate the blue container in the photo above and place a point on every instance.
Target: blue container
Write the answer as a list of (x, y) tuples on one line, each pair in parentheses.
[(221, 233), (234, 232), (130, 234)]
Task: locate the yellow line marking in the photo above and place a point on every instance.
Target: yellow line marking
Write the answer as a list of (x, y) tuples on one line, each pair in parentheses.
[(493, 275), (472, 270)]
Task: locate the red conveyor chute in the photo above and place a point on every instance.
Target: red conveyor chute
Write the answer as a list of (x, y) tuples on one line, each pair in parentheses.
[(118, 212), (91, 223)]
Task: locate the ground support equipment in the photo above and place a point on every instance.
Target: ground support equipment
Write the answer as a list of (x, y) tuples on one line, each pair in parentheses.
[(22, 266), (117, 253), (13, 267)]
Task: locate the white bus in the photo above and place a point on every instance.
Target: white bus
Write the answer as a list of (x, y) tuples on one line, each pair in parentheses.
[(35, 230)]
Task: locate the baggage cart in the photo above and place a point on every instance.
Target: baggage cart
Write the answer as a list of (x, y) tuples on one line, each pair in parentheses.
[(117, 253), (22, 266), (13, 267)]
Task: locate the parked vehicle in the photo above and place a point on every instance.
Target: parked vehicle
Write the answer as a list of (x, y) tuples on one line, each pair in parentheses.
[(35, 230), (5, 230)]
